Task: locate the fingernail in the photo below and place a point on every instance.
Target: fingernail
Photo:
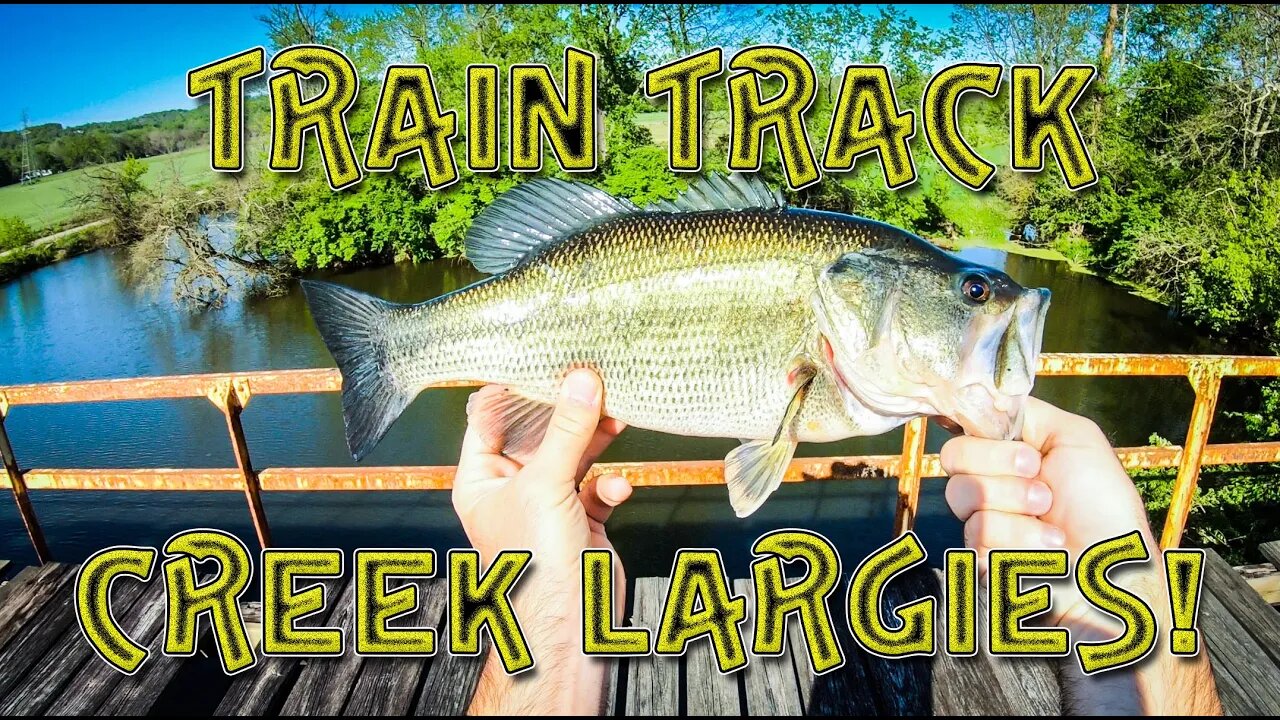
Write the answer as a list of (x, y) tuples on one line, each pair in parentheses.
[(1039, 498), (1026, 462), (581, 387), (1053, 538)]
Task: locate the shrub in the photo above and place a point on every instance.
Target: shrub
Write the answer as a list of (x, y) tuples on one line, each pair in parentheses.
[(14, 232)]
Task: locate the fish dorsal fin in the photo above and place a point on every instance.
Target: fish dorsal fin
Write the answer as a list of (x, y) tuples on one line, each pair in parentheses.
[(535, 215), (723, 192), (540, 213)]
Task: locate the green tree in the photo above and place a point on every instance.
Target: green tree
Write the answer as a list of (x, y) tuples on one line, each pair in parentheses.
[(116, 192)]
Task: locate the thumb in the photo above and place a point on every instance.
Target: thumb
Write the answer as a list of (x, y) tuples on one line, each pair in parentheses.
[(570, 430)]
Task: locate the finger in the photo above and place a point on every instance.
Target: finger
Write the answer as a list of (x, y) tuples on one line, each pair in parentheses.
[(967, 494), (571, 428), (600, 495), (606, 432), (1045, 425), (479, 460), (967, 455), (612, 427), (987, 529)]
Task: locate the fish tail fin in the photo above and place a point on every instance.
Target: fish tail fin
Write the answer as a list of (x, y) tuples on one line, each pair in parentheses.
[(355, 329)]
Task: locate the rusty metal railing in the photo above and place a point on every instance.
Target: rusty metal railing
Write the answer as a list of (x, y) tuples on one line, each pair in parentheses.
[(231, 392)]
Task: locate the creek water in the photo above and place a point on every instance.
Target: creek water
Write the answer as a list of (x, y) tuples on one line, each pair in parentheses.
[(82, 319)]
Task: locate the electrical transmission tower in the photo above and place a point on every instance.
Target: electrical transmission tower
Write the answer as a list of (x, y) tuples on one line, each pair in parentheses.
[(28, 170)]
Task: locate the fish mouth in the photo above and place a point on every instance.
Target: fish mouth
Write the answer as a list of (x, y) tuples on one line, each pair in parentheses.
[(982, 411), (988, 396)]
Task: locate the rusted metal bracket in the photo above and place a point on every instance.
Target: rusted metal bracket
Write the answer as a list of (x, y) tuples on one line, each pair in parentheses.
[(223, 392), (1205, 377), (231, 395)]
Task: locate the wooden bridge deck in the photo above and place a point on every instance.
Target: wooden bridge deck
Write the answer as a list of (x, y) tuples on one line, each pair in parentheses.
[(47, 667)]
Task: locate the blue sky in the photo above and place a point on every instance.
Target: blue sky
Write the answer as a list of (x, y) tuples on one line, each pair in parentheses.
[(79, 64)]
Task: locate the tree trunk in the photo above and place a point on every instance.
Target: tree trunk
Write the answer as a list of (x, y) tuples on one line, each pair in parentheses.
[(1104, 65), (1108, 41), (1124, 41)]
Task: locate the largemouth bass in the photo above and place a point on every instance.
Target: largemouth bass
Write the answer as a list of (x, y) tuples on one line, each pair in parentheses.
[(722, 313)]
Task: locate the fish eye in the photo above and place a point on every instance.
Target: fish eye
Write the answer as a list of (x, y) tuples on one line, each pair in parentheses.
[(976, 288)]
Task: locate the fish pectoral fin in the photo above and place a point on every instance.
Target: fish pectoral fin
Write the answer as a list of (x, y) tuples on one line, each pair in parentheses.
[(508, 421), (801, 378), (754, 470)]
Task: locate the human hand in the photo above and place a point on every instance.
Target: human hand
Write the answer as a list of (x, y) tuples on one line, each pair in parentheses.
[(531, 501), (1062, 486)]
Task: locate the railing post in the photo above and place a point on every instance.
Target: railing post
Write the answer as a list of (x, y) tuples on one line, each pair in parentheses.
[(19, 486), (1205, 379), (231, 398), (913, 436)]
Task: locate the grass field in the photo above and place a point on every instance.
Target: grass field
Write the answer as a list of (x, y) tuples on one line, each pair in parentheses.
[(47, 205)]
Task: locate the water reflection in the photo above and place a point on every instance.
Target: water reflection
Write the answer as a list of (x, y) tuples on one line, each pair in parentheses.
[(81, 319)]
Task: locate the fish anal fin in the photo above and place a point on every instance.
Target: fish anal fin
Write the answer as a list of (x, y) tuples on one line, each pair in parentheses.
[(755, 469), (508, 421)]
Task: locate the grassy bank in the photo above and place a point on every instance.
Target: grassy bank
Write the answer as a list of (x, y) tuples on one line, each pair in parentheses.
[(23, 260), (49, 205)]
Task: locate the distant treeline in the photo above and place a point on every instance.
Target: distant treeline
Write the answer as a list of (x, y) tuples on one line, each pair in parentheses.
[(58, 148)]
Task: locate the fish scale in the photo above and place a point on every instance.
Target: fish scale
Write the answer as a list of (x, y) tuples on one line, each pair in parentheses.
[(691, 328)]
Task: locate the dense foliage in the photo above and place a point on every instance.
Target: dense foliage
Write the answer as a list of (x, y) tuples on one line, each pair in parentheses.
[(394, 217), (58, 148)]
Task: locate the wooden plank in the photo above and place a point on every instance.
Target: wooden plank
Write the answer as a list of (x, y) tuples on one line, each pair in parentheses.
[(653, 681), (610, 706), (1264, 579), (136, 693), (451, 681), (1030, 684), (39, 633), (387, 685), (964, 685), (23, 602), (3, 565), (842, 692), (324, 683), (260, 690), (1247, 683), (1271, 552), (52, 672), (22, 577), (898, 683), (770, 682), (1258, 618), (96, 680), (707, 691)]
